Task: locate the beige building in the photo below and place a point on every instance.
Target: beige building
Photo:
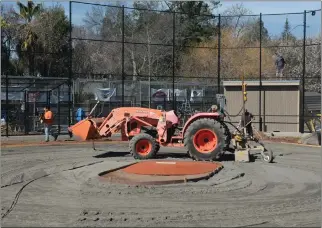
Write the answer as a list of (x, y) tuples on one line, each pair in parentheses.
[(280, 103)]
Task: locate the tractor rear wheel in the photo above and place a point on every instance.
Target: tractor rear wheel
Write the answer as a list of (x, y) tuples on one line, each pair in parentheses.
[(157, 148), (204, 140), (143, 146)]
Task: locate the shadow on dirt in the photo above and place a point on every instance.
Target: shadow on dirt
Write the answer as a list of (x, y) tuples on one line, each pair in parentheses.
[(173, 155), (224, 157), (110, 154), (227, 157), (231, 157)]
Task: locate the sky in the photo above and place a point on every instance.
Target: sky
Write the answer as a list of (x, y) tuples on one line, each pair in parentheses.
[(275, 6), (274, 24)]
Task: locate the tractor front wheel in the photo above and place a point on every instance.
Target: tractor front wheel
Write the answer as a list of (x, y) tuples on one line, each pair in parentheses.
[(204, 140), (143, 146)]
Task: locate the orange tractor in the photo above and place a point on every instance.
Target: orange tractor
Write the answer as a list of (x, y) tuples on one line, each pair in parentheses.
[(205, 135)]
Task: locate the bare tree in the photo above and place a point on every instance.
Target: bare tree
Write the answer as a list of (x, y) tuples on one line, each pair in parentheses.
[(236, 19), (140, 27)]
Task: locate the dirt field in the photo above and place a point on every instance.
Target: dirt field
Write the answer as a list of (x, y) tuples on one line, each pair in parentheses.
[(58, 186)]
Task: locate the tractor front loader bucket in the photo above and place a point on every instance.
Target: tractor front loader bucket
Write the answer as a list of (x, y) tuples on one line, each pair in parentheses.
[(86, 129)]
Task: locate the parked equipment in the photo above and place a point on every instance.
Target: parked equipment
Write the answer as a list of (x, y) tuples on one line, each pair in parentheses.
[(206, 136)]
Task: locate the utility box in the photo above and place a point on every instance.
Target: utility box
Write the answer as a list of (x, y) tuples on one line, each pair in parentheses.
[(280, 103)]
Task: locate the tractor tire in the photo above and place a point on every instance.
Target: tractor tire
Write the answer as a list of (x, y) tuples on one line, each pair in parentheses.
[(268, 153), (227, 135), (204, 140), (157, 148), (143, 146), (269, 157)]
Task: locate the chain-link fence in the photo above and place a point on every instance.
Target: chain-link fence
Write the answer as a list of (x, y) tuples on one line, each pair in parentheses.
[(144, 54)]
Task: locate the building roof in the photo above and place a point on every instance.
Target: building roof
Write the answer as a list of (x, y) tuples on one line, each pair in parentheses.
[(264, 83)]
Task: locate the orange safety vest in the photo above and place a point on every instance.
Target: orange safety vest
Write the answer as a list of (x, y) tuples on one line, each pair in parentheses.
[(49, 117)]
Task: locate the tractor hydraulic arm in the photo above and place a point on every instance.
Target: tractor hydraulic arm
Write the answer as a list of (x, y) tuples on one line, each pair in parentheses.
[(128, 120), (135, 118)]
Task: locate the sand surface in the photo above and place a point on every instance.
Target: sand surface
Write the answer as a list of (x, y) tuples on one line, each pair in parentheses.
[(58, 186)]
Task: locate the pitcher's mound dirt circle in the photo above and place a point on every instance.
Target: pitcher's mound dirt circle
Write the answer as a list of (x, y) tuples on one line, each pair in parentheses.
[(172, 168), (162, 172)]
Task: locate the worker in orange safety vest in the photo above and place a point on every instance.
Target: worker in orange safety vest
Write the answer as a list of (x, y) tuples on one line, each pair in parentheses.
[(48, 120)]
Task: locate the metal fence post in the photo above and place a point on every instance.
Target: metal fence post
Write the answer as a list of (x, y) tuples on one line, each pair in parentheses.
[(7, 91), (7, 104), (25, 112), (260, 73), (173, 55), (48, 98), (302, 119), (123, 41), (73, 98), (58, 108), (150, 98), (219, 57), (70, 64)]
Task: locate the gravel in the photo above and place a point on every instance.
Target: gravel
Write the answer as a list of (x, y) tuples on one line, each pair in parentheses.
[(58, 186)]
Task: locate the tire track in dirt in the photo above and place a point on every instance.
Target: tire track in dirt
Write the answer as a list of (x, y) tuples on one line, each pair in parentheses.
[(285, 193)]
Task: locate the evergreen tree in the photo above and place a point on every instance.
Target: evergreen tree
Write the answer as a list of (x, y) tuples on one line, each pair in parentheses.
[(252, 33), (192, 28), (286, 34), (52, 31), (28, 38)]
